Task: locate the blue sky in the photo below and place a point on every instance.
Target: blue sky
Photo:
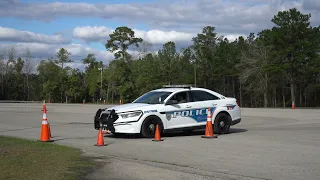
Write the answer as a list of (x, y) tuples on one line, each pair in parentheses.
[(68, 23), (82, 27)]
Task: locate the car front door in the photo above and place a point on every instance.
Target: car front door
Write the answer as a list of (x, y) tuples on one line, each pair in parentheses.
[(177, 110)]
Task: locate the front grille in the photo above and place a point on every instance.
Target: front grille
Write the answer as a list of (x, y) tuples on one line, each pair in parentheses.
[(105, 119)]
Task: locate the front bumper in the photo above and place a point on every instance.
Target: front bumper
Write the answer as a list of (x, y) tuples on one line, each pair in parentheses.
[(105, 120)]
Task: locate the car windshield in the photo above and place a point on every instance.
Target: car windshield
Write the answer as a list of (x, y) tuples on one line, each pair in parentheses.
[(153, 97)]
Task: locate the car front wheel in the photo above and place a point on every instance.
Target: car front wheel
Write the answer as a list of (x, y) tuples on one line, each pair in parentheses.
[(148, 127)]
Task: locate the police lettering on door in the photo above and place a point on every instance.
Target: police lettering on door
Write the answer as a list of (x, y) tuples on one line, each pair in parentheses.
[(196, 114)]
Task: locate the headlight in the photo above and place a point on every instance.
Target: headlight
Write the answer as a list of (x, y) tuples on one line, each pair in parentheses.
[(130, 114)]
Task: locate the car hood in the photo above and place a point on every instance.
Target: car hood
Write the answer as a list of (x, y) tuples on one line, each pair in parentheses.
[(130, 107)]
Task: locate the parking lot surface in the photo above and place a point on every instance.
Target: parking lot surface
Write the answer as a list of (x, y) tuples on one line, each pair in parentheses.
[(267, 144)]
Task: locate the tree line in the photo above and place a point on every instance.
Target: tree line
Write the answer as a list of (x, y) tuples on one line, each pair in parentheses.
[(273, 68)]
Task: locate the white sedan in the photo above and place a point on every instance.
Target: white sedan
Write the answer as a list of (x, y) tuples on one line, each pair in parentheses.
[(173, 108)]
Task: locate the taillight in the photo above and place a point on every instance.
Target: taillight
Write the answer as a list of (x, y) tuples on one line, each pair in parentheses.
[(237, 102)]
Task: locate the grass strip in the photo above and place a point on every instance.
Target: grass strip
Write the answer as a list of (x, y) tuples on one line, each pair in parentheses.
[(26, 159)]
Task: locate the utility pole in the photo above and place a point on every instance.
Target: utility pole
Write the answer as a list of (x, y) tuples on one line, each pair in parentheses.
[(195, 76), (100, 69)]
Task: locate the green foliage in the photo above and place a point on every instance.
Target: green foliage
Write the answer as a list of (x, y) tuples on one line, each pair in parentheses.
[(271, 68), (63, 57), (75, 83), (204, 46), (91, 77), (120, 40), (295, 41), (48, 71), (168, 58)]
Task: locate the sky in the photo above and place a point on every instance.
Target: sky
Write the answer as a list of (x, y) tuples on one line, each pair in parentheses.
[(83, 27)]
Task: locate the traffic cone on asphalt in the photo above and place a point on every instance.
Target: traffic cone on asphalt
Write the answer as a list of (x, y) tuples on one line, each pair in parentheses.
[(45, 129), (45, 135), (100, 140), (157, 136), (44, 117), (44, 109), (293, 105), (209, 129)]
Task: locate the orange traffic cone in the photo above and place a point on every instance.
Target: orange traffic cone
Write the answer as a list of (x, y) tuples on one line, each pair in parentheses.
[(157, 136), (45, 129), (44, 117), (44, 109), (293, 105), (45, 135), (100, 141), (209, 130)]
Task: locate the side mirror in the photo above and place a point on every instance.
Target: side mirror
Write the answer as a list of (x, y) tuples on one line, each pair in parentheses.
[(171, 102)]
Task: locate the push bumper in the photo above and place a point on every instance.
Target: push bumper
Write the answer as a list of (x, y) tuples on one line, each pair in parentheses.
[(105, 120)]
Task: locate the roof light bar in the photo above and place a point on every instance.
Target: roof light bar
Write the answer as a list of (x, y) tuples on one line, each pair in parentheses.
[(178, 86)]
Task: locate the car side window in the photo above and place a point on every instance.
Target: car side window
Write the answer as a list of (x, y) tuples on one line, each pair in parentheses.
[(202, 96), (181, 97)]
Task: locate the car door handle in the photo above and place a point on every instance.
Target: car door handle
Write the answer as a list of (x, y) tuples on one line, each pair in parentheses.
[(188, 106), (214, 104)]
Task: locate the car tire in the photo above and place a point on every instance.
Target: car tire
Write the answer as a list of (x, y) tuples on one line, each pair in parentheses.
[(222, 123), (148, 127), (96, 120), (96, 125)]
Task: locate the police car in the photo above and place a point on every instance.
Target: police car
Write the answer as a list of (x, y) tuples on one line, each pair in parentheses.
[(173, 108)]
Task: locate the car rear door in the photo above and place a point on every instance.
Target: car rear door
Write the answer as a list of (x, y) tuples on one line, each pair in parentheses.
[(201, 101)]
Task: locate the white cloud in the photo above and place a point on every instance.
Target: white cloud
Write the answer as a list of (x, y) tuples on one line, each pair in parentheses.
[(13, 35), (157, 38), (233, 17), (233, 37), (161, 37), (101, 34), (92, 33)]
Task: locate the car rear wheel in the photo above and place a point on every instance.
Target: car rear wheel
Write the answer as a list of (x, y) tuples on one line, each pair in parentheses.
[(222, 123), (148, 127)]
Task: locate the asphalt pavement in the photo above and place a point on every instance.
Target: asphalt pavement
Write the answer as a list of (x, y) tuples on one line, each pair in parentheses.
[(267, 144)]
